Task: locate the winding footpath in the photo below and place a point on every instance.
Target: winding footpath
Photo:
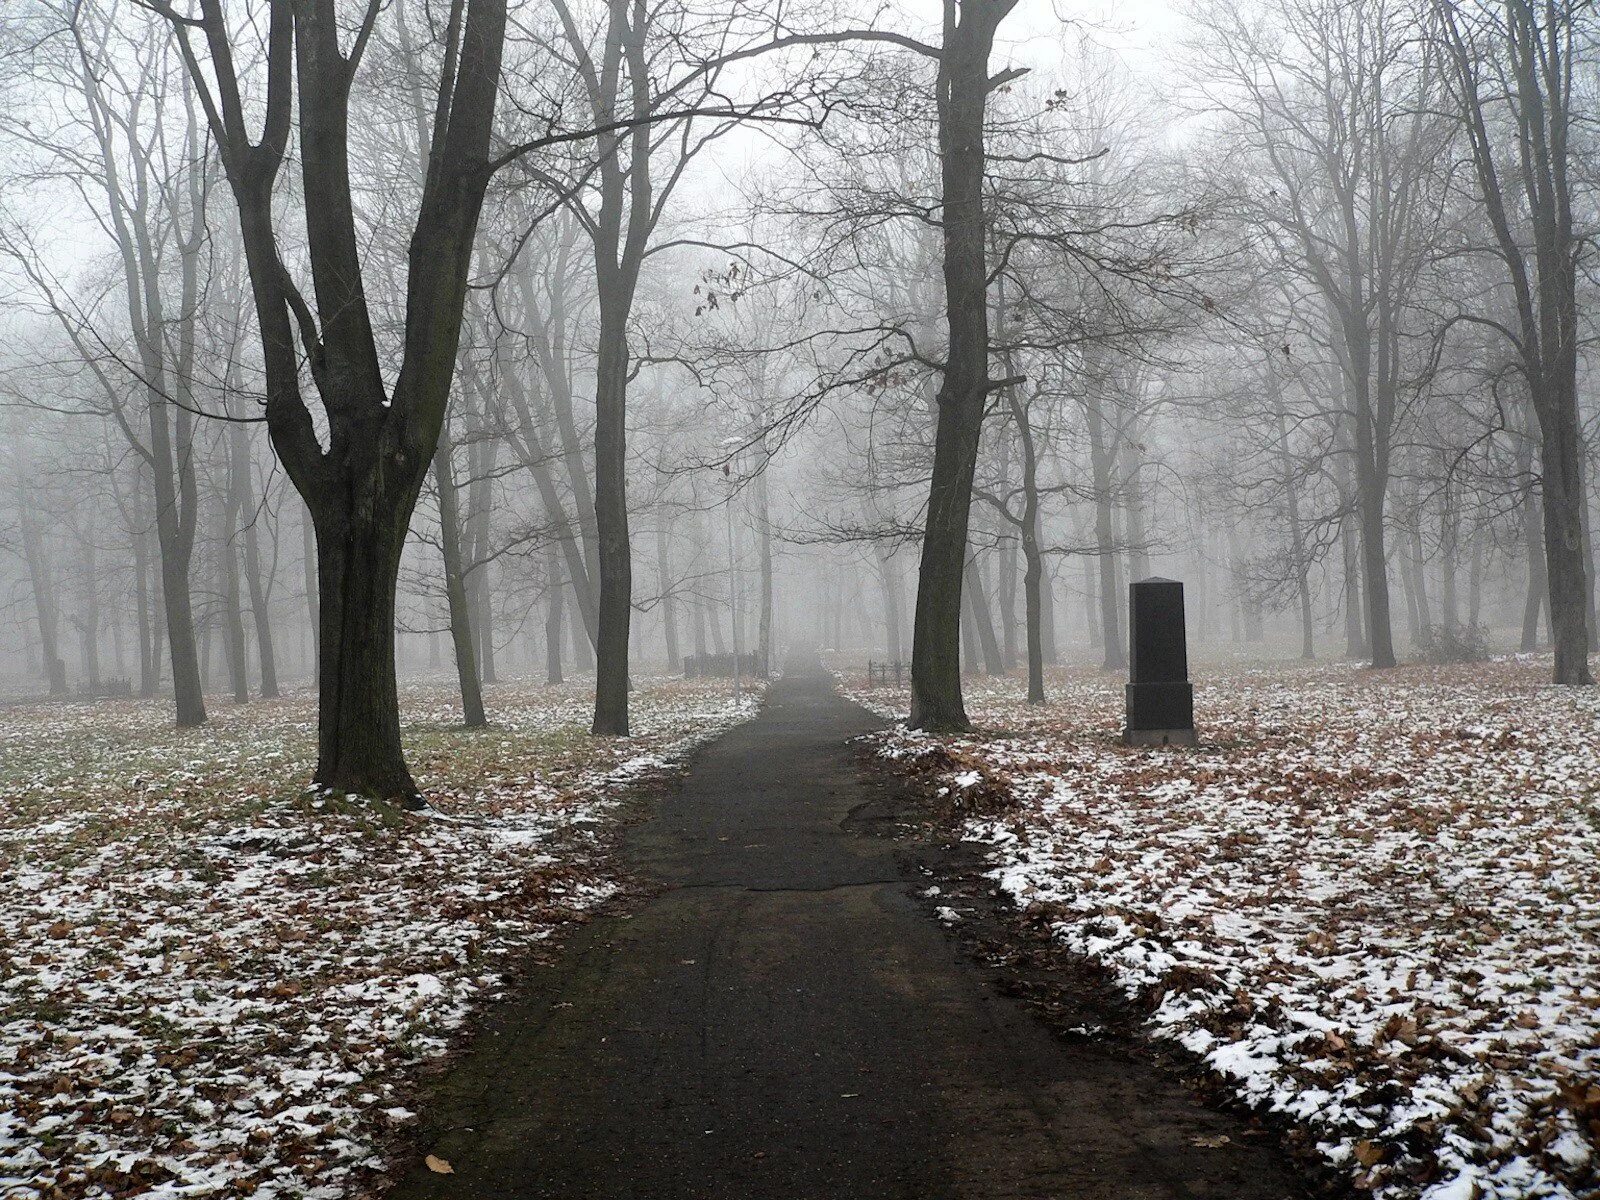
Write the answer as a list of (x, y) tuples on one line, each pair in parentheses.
[(782, 1019)]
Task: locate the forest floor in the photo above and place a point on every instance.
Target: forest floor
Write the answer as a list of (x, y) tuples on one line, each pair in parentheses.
[(1367, 904), (213, 983)]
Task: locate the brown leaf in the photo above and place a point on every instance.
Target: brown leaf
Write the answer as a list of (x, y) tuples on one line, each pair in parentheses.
[(439, 1166)]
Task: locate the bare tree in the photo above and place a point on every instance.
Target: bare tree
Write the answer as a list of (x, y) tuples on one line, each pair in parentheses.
[(1511, 78)]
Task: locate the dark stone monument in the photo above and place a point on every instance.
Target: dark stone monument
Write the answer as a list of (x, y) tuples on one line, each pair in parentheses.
[(1160, 696)]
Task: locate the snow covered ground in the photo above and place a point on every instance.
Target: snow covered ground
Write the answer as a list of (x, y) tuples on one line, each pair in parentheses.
[(1370, 901), (213, 985)]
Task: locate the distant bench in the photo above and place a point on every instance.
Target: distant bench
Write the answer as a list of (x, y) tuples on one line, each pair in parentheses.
[(878, 673)]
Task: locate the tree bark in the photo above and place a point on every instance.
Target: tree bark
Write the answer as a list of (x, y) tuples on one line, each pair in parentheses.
[(456, 598), (227, 558), (669, 603), (963, 88), (615, 608), (555, 592)]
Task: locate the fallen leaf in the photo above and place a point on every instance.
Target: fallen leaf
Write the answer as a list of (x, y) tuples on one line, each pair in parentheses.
[(439, 1166)]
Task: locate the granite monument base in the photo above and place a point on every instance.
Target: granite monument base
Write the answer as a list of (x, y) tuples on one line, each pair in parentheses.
[(1160, 714)]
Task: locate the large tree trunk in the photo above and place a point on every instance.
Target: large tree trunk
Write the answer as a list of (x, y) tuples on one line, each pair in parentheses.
[(358, 721), (963, 88), (615, 609), (1568, 581)]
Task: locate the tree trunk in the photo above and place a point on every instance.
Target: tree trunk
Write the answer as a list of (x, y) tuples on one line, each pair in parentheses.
[(1297, 542), (1449, 528), (233, 643), (308, 548), (1355, 639), (455, 586), (698, 620), (555, 592), (358, 721), (1371, 485), (42, 584), (764, 629), (1538, 585), (1138, 539), (893, 616), (1419, 576), (1091, 602), (669, 604), (1475, 584), (983, 622), (578, 638), (1568, 580), (615, 608), (89, 617), (260, 610), (149, 665), (962, 93)]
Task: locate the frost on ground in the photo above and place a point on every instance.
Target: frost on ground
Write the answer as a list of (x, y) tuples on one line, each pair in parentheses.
[(1370, 902), (212, 983)]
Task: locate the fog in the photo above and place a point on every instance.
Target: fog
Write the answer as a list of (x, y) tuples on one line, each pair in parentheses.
[(585, 345)]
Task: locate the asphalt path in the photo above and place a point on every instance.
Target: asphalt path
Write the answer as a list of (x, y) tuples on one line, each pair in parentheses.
[(781, 1017)]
